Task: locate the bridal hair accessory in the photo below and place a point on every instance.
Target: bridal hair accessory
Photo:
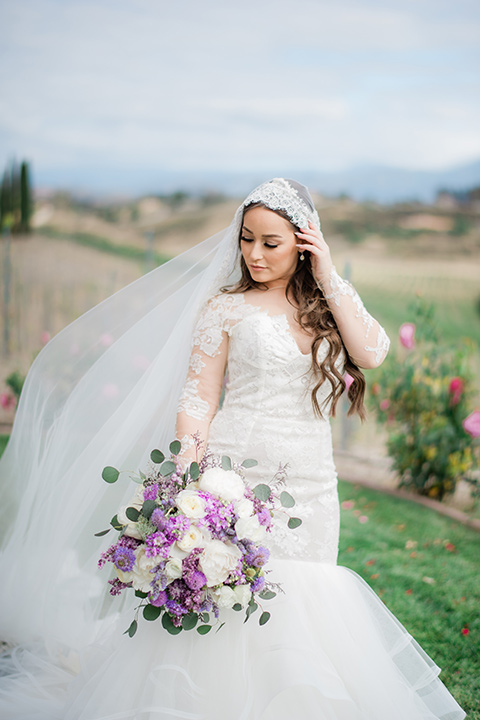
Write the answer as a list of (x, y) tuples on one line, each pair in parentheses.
[(289, 196)]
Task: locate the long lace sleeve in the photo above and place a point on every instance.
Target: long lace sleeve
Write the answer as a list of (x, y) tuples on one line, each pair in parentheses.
[(203, 386), (365, 339)]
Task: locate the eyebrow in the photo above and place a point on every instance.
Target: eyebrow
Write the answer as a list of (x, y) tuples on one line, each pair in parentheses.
[(271, 235)]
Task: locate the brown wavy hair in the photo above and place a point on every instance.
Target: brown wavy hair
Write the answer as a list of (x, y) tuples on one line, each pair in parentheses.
[(314, 315)]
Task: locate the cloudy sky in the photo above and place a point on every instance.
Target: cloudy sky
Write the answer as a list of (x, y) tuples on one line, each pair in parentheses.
[(122, 87)]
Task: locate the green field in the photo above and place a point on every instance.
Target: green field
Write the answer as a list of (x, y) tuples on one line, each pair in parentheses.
[(426, 569)]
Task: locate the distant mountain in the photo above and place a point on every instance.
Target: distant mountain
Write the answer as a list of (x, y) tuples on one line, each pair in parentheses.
[(370, 182)]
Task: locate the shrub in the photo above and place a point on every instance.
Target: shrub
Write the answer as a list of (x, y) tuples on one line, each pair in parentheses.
[(423, 397)]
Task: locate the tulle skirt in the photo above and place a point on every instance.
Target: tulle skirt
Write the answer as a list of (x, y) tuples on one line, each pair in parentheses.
[(330, 651)]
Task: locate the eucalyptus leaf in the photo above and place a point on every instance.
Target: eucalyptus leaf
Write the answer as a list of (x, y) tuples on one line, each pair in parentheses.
[(110, 474), (194, 471), (132, 513), (250, 462), (236, 607), (267, 594), (175, 447), (204, 629), (142, 475), (150, 612), (252, 606), (226, 462), (102, 533), (264, 618), (169, 626), (140, 594), (205, 617), (220, 627), (115, 523), (148, 507), (286, 499), (157, 457), (167, 469), (294, 523), (132, 629), (189, 621), (262, 492), (136, 479)]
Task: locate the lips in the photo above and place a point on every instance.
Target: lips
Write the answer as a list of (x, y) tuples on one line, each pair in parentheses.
[(257, 267)]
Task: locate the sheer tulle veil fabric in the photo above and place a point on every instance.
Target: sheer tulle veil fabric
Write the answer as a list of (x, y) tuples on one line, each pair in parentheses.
[(104, 391)]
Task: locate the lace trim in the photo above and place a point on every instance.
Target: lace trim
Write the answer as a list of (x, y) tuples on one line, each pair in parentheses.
[(382, 347), (191, 403), (341, 287), (196, 363), (278, 194)]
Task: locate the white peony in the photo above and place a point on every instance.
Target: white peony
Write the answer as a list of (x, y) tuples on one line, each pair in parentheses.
[(250, 529), (218, 560), (193, 538), (173, 569), (191, 504), (244, 508), (242, 594), (225, 484), (140, 575), (224, 596)]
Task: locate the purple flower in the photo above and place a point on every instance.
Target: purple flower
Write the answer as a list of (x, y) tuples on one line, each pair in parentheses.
[(195, 580), (258, 557), (117, 586), (258, 584), (158, 598), (264, 517), (158, 544), (124, 559), (158, 519), (150, 492)]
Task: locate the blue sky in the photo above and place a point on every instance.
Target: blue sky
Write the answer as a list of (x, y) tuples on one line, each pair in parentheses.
[(251, 85)]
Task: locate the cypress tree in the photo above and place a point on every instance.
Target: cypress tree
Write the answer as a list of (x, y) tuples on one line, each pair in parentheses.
[(5, 200), (25, 198)]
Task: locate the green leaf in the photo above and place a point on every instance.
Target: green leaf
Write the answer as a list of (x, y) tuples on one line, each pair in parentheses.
[(157, 457), (148, 507), (264, 618), (175, 447), (236, 607), (262, 492), (142, 475), (169, 626), (132, 629), (110, 474), (294, 523), (205, 617), (136, 479), (286, 499), (189, 621), (267, 594), (252, 606), (150, 612), (102, 533), (132, 513), (140, 594), (168, 468), (249, 463), (220, 627), (226, 462), (204, 629), (115, 523), (194, 471)]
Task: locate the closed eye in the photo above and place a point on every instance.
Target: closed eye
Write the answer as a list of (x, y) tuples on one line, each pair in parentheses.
[(249, 240)]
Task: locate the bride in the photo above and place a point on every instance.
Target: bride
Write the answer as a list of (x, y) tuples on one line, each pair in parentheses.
[(262, 305)]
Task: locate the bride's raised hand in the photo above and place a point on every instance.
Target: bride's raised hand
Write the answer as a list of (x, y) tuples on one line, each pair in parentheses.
[(312, 241)]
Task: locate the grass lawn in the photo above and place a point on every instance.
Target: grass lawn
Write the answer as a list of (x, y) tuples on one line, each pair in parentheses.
[(3, 443), (426, 568)]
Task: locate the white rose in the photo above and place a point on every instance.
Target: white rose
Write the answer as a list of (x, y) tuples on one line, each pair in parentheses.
[(225, 484), (191, 504), (140, 574), (130, 528), (250, 529), (224, 596), (244, 508), (218, 560), (193, 538), (173, 569), (242, 594)]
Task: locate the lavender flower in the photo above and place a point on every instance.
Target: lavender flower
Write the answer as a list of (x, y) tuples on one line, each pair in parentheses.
[(150, 492), (124, 559), (258, 557), (158, 519), (195, 580), (158, 598), (258, 584)]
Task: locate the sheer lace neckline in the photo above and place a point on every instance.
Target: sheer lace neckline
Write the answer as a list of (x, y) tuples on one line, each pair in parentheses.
[(282, 317)]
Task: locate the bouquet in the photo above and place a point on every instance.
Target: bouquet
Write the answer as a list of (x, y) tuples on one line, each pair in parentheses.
[(192, 541)]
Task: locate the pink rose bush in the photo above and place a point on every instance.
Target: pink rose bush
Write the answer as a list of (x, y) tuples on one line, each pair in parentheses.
[(195, 541)]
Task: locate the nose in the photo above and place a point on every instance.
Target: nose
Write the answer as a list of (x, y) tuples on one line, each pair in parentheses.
[(257, 251)]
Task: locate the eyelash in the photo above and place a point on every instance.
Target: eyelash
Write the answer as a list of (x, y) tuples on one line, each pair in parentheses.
[(244, 239)]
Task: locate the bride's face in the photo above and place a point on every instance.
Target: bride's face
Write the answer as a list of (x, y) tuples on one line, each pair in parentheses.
[(268, 246)]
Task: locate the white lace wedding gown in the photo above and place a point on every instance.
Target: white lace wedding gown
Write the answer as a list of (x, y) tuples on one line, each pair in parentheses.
[(331, 650)]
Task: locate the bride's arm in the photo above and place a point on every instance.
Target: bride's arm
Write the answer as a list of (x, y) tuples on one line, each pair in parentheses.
[(365, 339), (203, 386)]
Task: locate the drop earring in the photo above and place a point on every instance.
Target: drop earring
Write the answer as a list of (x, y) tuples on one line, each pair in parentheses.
[(302, 256)]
